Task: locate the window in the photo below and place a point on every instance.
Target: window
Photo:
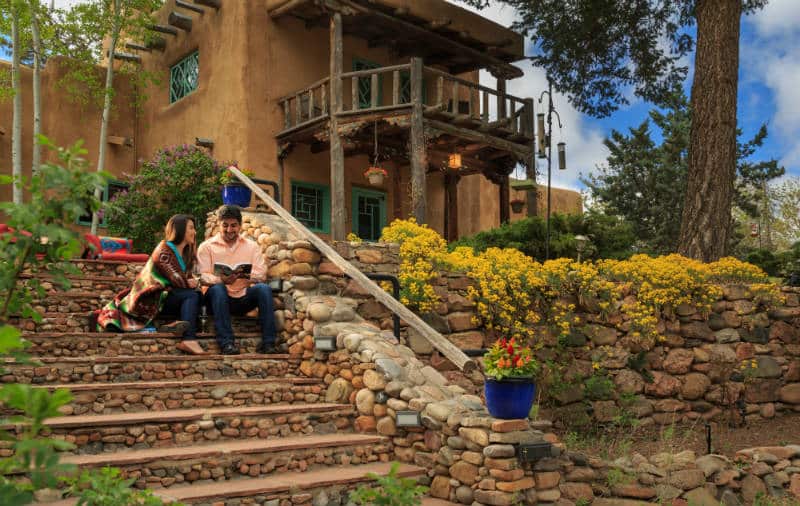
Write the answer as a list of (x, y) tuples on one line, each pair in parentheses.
[(365, 83), (369, 213), (311, 205), (111, 189), (184, 76)]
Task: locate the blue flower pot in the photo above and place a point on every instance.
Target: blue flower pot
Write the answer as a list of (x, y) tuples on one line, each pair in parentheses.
[(236, 195), (509, 398)]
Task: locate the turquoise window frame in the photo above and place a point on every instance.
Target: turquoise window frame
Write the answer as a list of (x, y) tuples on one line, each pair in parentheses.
[(405, 88), (86, 219), (184, 77), (365, 99), (362, 192), (325, 206)]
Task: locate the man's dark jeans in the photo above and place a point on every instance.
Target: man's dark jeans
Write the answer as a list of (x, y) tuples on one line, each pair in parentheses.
[(223, 306), (185, 303)]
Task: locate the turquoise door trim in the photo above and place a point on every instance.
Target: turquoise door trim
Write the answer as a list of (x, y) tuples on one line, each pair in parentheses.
[(369, 218)]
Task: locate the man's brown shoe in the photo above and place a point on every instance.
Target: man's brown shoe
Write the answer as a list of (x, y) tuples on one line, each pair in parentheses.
[(191, 346)]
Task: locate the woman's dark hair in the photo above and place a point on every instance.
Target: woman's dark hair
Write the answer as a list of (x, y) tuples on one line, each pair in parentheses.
[(227, 212), (175, 232)]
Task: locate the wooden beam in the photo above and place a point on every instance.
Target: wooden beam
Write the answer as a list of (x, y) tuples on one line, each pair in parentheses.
[(338, 217), (505, 210), (2, 131), (417, 153), (164, 29), (451, 205), (119, 140), (180, 20), (441, 343), (118, 55), (137, 47), (159, 43), (286, 8), (210, 3), (189, 7), (518, 150)]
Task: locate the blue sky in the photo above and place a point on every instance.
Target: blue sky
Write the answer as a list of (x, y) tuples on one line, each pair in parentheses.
[(769, 92)]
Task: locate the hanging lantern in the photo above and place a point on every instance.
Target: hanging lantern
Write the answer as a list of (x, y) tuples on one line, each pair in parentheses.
[(562, 156), (454, 161), (754, 229), (540, 128)]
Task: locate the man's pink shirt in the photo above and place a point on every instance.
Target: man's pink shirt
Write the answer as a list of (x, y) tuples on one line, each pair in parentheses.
[(243, 251)]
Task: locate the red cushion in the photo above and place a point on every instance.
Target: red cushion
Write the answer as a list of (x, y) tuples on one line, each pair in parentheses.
[(126, 257)]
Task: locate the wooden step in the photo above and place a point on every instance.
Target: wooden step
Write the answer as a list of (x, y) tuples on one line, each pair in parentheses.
[(94, 434), (164, 467), (333, 481), (142, 396), (153, 367)]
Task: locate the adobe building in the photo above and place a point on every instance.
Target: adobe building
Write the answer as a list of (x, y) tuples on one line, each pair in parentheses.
[(305, 92)]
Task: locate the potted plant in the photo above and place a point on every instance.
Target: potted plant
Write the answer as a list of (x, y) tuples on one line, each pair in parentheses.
[(375, 175), (509, 387), (517, 205), (234, 192)]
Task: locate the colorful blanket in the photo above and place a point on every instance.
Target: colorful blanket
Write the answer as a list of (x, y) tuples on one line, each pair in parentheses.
[(134, 308)]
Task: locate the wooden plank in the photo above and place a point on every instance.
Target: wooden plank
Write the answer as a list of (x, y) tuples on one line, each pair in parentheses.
[(311, 103), (455, 97), (354, 93), (324, 98), (137, 47), (439, 91), (418, 155), (338, 204), (520, 151), (287, 114), (164, 29), (118, 55), (119, 140), (189, 7), (485, 112), (512, 115), (445, 347), (210, 3), (298, 110), (286, 8), (501, 99), (395, 87), (373, 88)]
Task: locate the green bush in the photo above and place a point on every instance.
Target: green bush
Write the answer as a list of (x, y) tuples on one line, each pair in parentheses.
[(609, 236), (179, 179), (390, 490)]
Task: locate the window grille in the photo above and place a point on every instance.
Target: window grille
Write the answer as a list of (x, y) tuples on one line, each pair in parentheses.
[(184, 77), (311, 206)]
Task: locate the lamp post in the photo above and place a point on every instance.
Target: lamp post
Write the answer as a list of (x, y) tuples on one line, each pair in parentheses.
[(580, 245), (545, 141)]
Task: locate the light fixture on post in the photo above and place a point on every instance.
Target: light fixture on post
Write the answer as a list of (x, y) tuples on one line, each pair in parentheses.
[(454, 161), (545, 141), (580, 245)]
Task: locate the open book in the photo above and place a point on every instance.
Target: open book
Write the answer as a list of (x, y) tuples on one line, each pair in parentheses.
[(221, 269)]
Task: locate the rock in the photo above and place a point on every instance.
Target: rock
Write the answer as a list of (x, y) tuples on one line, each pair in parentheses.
[(304, 283), (727, 336), (752, 486), (374, 380), (600, 334), (765, 390), (701, 497), (390, 369), (365, 423), (711, 464), (440, 487), (784, 332), (495, 498), (697, 330), (477, 436), (635, 491), (667, 492), (499, 451), (319, 312), (678, 361), (470, 340), (694, 385), (464, 472), (577, 491), (605, 411), (464, 495), (767, 367), (547, 479), (365, 401), (794, 485), (338, 391), (687, 479), (629, 382), (663, 385), (419, 344), (386, 426), (790, 393)]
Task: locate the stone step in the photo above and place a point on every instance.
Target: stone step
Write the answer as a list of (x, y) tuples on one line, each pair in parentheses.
[(152, 367), (432, 501), (142, 396), (164, 467), (78, 321), (95, 434), (111, 344), (328, 486)]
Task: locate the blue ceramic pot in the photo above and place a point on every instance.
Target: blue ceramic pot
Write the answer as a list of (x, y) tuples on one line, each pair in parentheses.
[(509, 398), (236, 195)]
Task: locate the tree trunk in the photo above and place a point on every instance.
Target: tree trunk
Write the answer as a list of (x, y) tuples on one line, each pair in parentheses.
[(101, 157), (16, 124), (705, 223), (36, 154)]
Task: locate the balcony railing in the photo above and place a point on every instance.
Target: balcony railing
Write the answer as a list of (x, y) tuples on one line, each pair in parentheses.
[(384, 89)]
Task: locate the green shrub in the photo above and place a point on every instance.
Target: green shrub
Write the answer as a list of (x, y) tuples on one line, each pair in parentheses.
[(179, 179), (391, 490), (609, 236)]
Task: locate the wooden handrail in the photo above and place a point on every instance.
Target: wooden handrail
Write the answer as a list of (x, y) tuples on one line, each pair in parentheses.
[(471, 84), (445, 347), (376, 70), (316, 84)]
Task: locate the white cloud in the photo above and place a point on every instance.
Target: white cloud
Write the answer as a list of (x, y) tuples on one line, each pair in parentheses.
[(778, 17), (584, 142)]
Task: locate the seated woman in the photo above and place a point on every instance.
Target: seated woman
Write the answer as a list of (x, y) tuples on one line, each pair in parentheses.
[(165, 284)]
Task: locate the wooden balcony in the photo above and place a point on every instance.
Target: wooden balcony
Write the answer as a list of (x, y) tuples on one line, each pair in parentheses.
[(451, 105)]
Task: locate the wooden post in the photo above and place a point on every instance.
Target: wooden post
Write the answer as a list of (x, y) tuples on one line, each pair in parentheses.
[(505, 211), (418, 154), (501, 99), (451, 206), (337, 152), (395, 87)]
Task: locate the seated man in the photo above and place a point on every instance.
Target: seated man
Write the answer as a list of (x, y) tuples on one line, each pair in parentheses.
[(231, 290)]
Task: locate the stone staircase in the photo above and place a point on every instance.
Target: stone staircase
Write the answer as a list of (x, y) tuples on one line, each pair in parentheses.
[(214, 429)]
